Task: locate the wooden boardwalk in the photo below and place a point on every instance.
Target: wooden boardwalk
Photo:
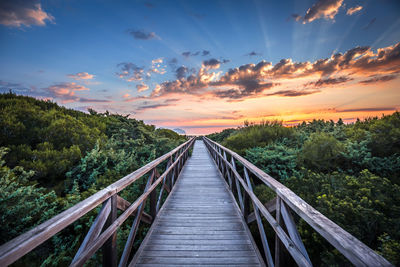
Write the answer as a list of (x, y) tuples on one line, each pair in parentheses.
[(200, 223)]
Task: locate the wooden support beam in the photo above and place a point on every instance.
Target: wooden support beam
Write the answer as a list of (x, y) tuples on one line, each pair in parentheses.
[(267, 251), (123, 204), (110, 246), (135, 225), (96, 228), (271, 207), (238, 190), (292, 230)]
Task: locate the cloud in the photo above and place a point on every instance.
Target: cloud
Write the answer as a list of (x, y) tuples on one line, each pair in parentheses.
[(156, 67), (172, 62), (353, 10), (16, 13), (181, 72), (251, 80), (151, 105), (81, 76), (212, 63), (130, 72), (92, 100), (9, 84), (326, 9), (203, 53), (66, 92), (379, 79), (245, 89), (293, 93), (328, 82), (186, 54), (367, 109), (142, 87), (369, 25), (143, 35), (253, 53), (157, 61)]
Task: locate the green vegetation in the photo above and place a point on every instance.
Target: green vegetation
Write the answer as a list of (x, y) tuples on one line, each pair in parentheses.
[(52, 157), (350, 173)]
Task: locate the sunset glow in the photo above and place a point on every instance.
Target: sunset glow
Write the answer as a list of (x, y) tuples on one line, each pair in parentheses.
[(203, 66)]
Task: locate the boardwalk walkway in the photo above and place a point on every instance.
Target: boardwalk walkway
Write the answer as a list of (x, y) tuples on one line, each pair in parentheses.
[(200, 224)]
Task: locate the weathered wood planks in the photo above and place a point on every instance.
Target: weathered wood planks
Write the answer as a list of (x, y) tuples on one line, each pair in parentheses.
[(199, 224)]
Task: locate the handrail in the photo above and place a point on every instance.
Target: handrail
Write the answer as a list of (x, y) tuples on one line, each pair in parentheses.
[(354, 250), (107, 217)]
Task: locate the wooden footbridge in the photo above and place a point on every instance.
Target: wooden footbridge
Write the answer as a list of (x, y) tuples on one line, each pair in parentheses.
[(203, 221)]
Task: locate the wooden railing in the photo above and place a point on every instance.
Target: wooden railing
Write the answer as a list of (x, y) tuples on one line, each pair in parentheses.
[(285, 202), (103, 232)]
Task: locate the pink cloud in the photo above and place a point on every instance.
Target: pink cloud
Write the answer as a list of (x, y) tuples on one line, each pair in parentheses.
[(18, 13)]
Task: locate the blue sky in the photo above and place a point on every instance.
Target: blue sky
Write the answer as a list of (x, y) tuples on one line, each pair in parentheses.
[(42, 54)]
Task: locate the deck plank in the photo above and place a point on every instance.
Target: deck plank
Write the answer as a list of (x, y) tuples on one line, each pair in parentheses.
[(199, 224)]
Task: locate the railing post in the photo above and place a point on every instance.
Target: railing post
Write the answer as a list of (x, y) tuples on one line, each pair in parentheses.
[(228, 173), (238, 190), (110, 246), (278, 245), (246, 206), (153, 204)]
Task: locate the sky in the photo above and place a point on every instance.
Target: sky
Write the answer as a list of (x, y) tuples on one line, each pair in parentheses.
[(203, 66)]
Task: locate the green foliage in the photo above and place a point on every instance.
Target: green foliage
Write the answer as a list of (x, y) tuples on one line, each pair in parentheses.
[(321, 152), (365, 204), (277, 160), (44, 137), (219, 137), (257, 135), (22, 204)]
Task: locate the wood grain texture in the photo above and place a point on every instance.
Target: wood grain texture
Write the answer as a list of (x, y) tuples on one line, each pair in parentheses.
[(199, 224)]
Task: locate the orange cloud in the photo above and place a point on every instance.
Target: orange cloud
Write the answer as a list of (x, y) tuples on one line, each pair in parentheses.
[(353, 10), (326, 9), (81, 76), (142, 87)]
